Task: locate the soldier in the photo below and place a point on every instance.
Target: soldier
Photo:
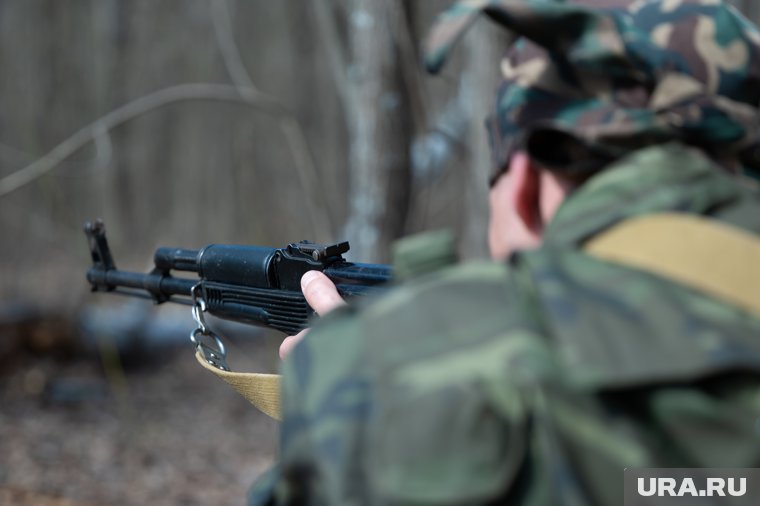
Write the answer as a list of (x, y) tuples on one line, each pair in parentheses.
[(619, 325)]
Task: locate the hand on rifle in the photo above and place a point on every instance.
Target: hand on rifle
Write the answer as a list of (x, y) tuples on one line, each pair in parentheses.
[(321, 295)]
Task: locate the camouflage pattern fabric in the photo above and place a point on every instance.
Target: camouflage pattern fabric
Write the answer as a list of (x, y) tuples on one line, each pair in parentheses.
[(535, 382), (584, 85), (539, 380)]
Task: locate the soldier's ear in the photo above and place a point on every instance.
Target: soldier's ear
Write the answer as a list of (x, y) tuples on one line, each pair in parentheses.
[(526, 191)]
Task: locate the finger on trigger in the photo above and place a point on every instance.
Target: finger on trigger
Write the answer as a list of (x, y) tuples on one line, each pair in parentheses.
[(320, 292)]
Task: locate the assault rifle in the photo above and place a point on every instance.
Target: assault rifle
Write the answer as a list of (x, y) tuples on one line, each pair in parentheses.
[(249, 284)]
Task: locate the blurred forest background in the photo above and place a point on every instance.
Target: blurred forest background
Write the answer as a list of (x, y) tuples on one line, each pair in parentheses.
[(183, 123)]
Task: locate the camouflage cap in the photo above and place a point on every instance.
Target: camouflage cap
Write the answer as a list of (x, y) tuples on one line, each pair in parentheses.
[(589, 81)]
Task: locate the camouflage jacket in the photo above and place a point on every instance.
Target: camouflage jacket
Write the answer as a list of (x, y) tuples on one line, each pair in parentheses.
[(532, 382)]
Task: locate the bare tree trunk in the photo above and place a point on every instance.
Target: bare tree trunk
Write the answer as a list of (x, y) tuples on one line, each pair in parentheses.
[(379, 133), (483, 50)]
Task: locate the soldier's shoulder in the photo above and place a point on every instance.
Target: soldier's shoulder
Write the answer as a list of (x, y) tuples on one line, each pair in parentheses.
[(486, 281), (467, 296), (464, 312)]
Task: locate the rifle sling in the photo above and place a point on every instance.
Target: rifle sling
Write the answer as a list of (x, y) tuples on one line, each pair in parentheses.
[(703, 254), (261, 390), (707, 255)]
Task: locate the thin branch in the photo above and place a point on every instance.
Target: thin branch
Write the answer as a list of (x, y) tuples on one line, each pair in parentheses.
[(137, 107), (401, 29), (242, 92), (233, 61), (306, 168), (337, 58), (16, 156)]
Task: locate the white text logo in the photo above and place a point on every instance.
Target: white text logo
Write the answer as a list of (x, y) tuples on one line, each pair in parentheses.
[(662, 487)]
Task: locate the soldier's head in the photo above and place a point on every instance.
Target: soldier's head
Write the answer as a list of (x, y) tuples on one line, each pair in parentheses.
[(587, 82)]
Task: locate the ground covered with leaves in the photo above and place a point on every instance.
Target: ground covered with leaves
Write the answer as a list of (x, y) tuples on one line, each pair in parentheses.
[(100, 429)]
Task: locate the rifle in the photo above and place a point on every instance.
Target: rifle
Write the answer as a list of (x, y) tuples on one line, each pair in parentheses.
[(250, 284)]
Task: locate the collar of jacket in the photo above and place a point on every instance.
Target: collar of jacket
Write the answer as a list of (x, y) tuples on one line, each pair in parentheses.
[(669, 177)]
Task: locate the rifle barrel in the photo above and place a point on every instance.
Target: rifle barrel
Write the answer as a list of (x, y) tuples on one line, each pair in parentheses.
[(156, 284)]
